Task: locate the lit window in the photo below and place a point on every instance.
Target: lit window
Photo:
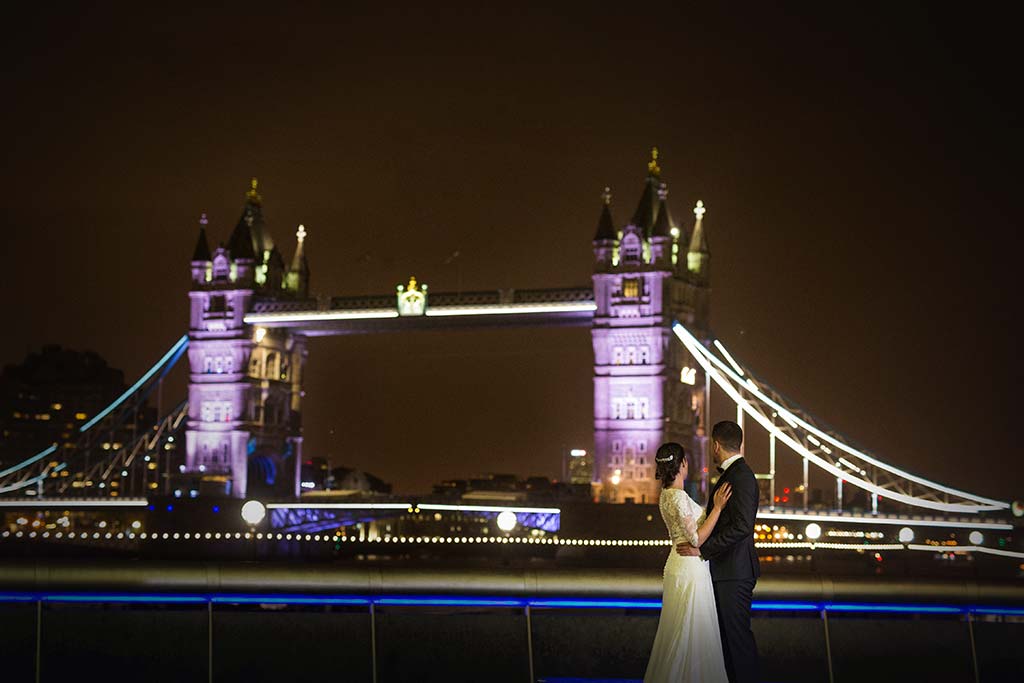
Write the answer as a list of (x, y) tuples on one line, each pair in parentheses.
[(80, 416), (631, 288), (645, 355)]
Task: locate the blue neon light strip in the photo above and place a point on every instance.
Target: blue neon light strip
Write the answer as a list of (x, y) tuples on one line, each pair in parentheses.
[(482, 601), (786, 606), (176, 349), (570, 604), (912, 609), (24, 463)]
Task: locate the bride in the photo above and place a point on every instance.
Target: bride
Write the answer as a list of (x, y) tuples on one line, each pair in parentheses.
[(688, 646)]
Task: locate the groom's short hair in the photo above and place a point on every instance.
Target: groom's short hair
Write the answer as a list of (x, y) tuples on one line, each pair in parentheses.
[(729, 435)]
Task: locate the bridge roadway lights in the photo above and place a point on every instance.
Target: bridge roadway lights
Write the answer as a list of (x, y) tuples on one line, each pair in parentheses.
[(976, 538), (906, 535), (813, 531)]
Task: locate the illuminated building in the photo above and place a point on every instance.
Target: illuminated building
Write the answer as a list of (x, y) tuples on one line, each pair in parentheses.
[(645, 389), (243, 436)]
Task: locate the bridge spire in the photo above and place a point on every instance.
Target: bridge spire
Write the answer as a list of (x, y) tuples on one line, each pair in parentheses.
[(202, 250), (663, 251), (605, 224), (698, 257), (297, 280), (646, 209)]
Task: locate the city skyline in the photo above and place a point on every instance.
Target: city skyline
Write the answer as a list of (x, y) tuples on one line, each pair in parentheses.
[(835, 267)]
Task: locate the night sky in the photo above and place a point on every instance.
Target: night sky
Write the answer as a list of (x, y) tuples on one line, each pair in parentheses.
[(859, 168)]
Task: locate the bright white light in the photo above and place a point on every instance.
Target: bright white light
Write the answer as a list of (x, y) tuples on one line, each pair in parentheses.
[(976, 537), (339, 506), (732, 361), (856, 519), (906, 535), (253, 512), (56, 503), (308, 485), (512, 309), (507, 520), (696, 348), (706, 359), (1018, 508), (688, 375), (318, 316), (136, 524), (489, 508), (616, 478), (261, 332), (577, 452), (813, 531)]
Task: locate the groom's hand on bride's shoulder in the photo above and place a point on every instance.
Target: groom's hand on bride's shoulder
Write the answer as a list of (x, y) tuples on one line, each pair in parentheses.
[(687, 550)]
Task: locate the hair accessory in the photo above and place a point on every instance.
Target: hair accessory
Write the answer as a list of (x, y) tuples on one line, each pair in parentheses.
[(668, 459)]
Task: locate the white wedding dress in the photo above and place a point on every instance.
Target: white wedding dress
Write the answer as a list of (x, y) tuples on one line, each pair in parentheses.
[(688, 646)]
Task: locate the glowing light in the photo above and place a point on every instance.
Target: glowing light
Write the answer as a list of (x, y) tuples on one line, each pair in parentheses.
[(56, 503), (318, 316), (976, 537), (173, 353), (513, 309), (728, 357), (261, 332), (339, 506), (301, 234), (308, 484), (813, 531), (506, 520), (699, 210), (253, 512), (616, 478), (577, 452), (688, 375), (906, 535), (489, 508), (1018, 508), (707, 359), (855, 519)]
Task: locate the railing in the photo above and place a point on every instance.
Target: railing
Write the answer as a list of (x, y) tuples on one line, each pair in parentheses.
[(165, 621)]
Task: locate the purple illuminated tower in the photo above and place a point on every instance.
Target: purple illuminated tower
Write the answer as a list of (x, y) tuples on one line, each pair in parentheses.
[(244, 429), (646, 389)]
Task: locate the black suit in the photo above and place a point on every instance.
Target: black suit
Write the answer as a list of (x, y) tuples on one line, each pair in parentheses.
[(734, 570)]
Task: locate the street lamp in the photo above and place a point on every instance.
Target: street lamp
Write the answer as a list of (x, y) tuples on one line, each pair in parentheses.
[(253, 512)]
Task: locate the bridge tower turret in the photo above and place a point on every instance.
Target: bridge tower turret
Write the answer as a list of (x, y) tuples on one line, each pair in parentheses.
[(244, 435), (644, 390)]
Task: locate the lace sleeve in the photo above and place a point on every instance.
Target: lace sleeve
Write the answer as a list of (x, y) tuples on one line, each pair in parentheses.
[(689, 520), (681, 516)]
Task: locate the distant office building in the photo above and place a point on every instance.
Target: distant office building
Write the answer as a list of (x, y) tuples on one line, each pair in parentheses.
[(581, 467), (50, 395)]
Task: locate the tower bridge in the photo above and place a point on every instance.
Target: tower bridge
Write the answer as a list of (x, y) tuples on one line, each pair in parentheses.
[(655, 363)]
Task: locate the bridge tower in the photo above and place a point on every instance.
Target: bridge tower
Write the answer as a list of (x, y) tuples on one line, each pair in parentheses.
[(646, 389), (244, 435)]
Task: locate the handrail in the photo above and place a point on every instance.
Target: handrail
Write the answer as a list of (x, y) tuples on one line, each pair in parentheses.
[(280, 578)]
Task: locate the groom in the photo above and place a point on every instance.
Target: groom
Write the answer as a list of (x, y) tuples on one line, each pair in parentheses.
[(730, 548)]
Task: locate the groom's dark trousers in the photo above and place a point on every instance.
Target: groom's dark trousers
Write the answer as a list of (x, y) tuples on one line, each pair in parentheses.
[(734, 571)]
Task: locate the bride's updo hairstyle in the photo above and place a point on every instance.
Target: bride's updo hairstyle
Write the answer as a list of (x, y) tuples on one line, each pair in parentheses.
[(669, 459)]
